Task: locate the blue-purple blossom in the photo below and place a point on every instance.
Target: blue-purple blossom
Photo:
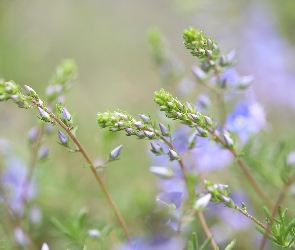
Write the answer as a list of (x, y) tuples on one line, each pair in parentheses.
[(246, 120), (209, 156), (62, 138), (169, 200), (16, 191)]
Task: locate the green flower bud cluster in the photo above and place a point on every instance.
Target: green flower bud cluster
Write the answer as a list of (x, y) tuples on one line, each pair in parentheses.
[(219, 193), (119, 120), (10, 90), (199, 45), (62, 80), (185, 112)]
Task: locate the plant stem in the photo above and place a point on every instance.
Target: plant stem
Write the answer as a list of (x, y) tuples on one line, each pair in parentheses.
[(191, 193), (254, 219), (244, 168), (278, 202), (93, 170)]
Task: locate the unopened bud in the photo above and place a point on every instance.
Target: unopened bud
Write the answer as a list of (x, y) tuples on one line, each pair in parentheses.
[(199, 74), (138, 124), (149, 134), (33, 134), (162, 172), (44, 115), (115, 153), (208, 120), (30, 91), (173, 155), (43, 152), (128, 130), (164, 130), (156, 149), (62, 138), (202, 202), (145, 118), (202, 132), (192, 141)]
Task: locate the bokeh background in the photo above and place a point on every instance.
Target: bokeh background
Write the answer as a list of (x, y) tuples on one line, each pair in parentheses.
[(108, 40)]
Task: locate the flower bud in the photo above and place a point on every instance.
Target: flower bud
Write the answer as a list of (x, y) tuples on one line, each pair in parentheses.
[(223, 61), (156, 149), (128, 130), (140, 135), (44, 115), (202, 132), (173, 155), (209, 53), (245, 82), (115, 153), (62, 138), (94, 233), (145, 118), (202, 202), (228, 140), (149, 134), (164, 130), (45, 246), (65, 115), (162, 172), (208, 120), (43, 152), (33, 134), (30, 91), (138, 124), (199, 74)]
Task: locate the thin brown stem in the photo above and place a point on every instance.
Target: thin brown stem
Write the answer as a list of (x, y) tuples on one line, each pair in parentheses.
[(92, 168), (244, 168), (254, 219)]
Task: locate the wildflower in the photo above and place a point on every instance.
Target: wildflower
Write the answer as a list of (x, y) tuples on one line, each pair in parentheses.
[(16, 191), (246, 120)]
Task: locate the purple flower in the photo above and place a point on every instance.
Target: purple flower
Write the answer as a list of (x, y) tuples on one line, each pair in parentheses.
[(246, 120), (170, 199), (13, 184), (209, 156)]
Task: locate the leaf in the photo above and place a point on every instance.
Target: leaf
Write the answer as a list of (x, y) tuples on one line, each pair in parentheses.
[(206, 243), (231, 245)]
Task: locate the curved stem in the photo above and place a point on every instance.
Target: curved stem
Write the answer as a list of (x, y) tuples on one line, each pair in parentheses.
[(254, 219), (244, 168), (93, 170), (278, 202)]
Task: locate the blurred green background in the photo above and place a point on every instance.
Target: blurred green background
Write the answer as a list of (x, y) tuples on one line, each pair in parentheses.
[(108, 40)]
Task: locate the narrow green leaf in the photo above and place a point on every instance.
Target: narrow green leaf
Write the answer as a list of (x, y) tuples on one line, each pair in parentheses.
[(205, 244), (231, 245)]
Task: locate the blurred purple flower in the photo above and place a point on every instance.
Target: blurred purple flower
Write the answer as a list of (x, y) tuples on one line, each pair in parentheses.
[(229, 78), (12, 182), (246, 120), (168, 199)]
